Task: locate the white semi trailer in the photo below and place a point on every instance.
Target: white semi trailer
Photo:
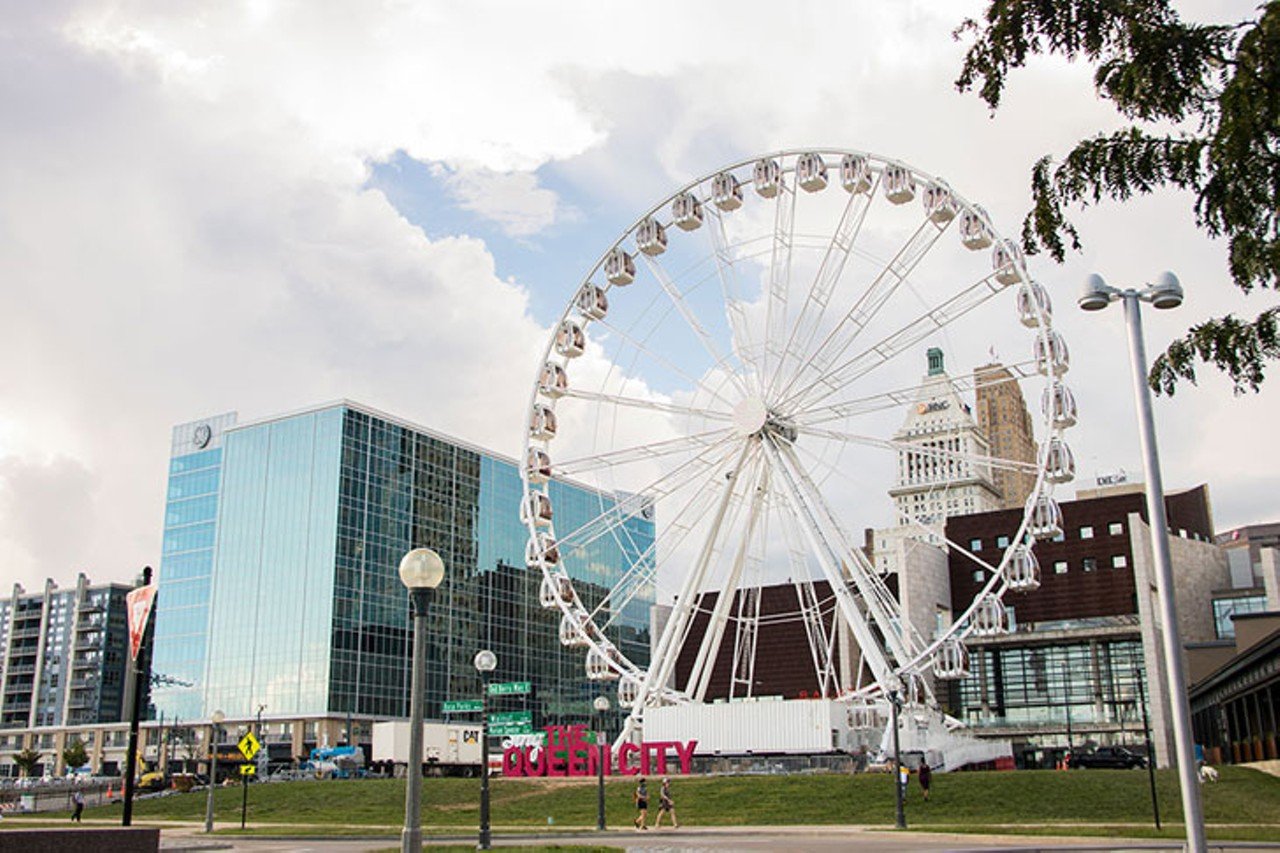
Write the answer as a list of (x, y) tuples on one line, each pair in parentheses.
[(448, 749)]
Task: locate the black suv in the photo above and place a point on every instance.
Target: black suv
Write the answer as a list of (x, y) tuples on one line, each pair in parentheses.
[(1110, 757)]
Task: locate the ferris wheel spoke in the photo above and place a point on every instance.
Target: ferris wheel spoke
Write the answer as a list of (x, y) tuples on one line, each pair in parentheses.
[(718, 359), (637, 500), (642, 349), (919, 450), (807, 321), (775, 323), (672, 537), (868, 305), (713, 635), (907, 396), (748, 351), (643, 452), (650, 405), (907, 336)]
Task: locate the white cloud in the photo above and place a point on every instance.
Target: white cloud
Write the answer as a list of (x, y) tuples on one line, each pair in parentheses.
[(184, 229), (513, 200)]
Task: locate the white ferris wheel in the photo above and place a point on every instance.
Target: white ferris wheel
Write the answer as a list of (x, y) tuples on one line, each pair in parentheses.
[(734, 368)]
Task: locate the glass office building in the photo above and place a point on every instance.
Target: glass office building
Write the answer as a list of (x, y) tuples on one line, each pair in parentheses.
[(307, 614), (186, 566)]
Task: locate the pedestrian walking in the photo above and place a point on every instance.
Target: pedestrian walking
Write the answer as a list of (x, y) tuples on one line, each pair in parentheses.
[(925, 776), (77, 800), (641, 797), (666, 805)]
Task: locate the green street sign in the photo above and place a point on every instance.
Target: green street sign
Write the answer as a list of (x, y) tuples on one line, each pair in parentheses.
[(510, 688), (505, 729), (463, 706), (511, 717)]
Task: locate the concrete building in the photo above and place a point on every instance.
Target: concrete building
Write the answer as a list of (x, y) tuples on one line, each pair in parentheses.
[(1082, 655), (64, 655), (1003, 418), (1235, 684)]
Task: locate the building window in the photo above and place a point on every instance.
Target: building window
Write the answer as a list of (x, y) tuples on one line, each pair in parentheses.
[(1086, 532), (1116, 528), (1182, 532), (1061, 537), (1119, 561), (1089, 563), (1060, 567), (975, 544), (979, 576), (1002, 541), (1225, 608)]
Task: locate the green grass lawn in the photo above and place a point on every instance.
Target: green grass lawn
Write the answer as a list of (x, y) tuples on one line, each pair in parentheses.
[(960, 800)]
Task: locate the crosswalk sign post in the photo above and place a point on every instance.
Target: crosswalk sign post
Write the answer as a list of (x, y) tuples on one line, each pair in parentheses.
[(249, 747)]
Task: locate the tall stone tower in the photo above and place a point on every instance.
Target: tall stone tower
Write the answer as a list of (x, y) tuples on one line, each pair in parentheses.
[(937, 474), (1006, 423)]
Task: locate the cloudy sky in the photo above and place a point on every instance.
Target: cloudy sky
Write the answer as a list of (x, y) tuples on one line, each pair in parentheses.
[(257, 206)]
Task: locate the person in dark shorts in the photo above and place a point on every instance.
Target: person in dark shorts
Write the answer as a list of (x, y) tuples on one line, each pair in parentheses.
[(77, 799), (641, 798), (925, 777), (666, 805)]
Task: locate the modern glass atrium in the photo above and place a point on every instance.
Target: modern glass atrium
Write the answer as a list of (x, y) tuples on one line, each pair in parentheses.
[(307, 612)]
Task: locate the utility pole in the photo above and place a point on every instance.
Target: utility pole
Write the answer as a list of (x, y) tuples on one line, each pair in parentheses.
[(141, 675)]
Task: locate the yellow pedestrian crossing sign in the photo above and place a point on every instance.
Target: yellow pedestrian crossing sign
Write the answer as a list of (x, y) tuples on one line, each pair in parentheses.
[(249, 746), (248, 770)]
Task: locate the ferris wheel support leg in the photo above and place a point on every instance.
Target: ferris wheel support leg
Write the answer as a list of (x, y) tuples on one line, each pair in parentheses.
[(828, 559), (664, 656), (709, 648)]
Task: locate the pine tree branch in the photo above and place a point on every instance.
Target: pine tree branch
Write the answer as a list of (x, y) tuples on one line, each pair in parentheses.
[(1111, 166), (1239, 348)]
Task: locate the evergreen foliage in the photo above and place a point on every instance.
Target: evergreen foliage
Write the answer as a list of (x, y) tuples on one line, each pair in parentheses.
[(1204, 105), (27, 760), (74, 755)]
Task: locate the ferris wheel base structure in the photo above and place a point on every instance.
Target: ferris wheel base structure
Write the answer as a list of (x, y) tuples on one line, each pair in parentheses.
[(820, 727)]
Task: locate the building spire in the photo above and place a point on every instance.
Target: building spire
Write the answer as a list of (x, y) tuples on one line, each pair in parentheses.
[(935, 361)]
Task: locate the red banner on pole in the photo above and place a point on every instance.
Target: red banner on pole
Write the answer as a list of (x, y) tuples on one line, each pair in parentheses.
[(138, 604)]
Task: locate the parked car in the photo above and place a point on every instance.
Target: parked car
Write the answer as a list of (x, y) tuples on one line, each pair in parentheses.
[(1109, 757)]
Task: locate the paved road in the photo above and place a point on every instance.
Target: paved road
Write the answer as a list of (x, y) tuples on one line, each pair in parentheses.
[(768, 838)]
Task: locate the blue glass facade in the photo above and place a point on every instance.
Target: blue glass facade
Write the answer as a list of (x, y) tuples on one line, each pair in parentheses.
[(309, 616), (186, 566)]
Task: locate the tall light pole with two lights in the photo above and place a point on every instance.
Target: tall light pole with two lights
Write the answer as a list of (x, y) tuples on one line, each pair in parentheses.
[(421, 571), (1164, 293)]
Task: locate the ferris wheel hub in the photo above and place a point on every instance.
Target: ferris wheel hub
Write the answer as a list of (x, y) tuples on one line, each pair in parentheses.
[(749, 416)]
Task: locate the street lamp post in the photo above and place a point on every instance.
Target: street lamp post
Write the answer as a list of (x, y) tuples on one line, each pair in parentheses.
[(601, 704), (900, 819), (421, 571), (1165, 293), (486, 662), (214, 733)]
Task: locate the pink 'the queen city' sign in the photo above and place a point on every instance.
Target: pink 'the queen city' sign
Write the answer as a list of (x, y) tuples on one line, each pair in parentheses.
[(567, 753)]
